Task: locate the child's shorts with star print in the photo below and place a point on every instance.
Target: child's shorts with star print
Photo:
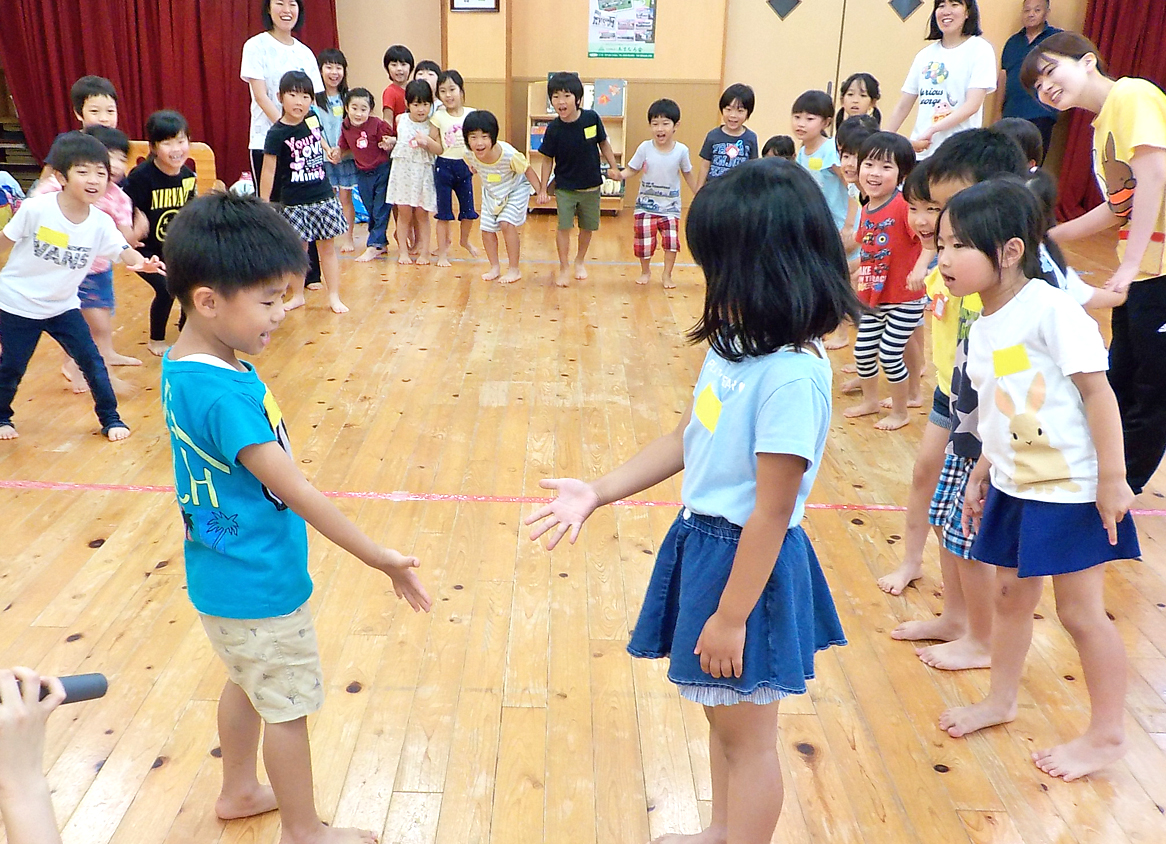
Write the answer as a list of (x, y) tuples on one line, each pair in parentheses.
[(276, 661)]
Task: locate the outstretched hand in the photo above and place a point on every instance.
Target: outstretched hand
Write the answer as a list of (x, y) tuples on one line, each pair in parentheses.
[(575, 501), (22, 725), (148, 265), (406, 583)]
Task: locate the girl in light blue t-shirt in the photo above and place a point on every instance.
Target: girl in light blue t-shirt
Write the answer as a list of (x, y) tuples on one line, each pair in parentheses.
[(737, 598)]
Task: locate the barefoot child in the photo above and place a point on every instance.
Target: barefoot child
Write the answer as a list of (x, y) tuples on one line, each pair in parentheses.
[(851, 135), (1057, 498), (754, 606), (411, 188), (889, 252), (732, 143), (451, 174), (572, 145), (329, 109), (507, 180), (244, 505), (293, 176), (369, 139), (662, 160), (54, 239)]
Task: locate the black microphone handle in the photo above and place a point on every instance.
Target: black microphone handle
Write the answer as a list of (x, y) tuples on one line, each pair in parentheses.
[(79, 687)]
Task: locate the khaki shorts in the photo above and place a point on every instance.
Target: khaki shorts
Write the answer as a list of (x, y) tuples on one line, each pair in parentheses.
[(276, 661), (585, 203)]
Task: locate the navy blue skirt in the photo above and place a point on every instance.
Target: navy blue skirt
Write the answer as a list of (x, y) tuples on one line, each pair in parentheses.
[(794, 617)]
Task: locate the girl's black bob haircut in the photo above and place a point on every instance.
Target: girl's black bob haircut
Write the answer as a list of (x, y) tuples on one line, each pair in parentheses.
[(916, 188), (567, 82), (988, 215), (359, 94), (398, 53), (229, 243), (427, 64), (871, 85), (454, 77), (971, 25), (269, 21), (780, 145), (418, 91), (741, 93), (817, 103), (74, 148), (853, 132), (164, 125), (889, 146), (332, 56), (666, 108), (481, 120), (297, 82), (773, 263)]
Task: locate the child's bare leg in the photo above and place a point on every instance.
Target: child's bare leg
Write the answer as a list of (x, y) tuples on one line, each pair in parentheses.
[(924, 477), (913, 357), (349, 209), (748, 736), (330, 271), (242, 795), (898, 417), (870, 399), (288, 759), (442, 253), (1016, 598), (563, 246), (100, 322), (581, 254), (297, 291), (421, 223), (669, 263), (645, 271), (851, 385), (1081, 608), (839, 338), (973, 647), (490, 242), (467, 226), (953, 623), (513, 253), (404, 231)]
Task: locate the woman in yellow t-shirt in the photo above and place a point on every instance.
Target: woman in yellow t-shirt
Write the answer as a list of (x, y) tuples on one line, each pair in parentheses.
[(1129, 159)]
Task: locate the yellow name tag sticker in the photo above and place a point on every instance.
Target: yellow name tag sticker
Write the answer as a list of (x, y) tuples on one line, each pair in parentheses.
[(312, 121), (1010, 360), (590, 131), (815, 164), (493, 177), (56, 238), (708, 408), (188, 183), (337, 111), (274, 414)]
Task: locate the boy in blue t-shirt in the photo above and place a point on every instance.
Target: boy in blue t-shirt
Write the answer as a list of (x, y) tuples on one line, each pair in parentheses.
[(244, 504)]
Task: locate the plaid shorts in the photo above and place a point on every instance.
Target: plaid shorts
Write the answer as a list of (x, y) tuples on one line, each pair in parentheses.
[(646, 226), (947, 505), (317, 221)]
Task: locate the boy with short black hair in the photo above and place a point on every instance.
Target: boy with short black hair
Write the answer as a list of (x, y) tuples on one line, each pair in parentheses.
[(398, 63), (54, 240), (1027, 135), (732, 143), (244, 504), (94, 101), (662, 160), (572, 145)]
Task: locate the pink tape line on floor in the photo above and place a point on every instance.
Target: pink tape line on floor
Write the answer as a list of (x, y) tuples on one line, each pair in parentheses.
[(63, 486)]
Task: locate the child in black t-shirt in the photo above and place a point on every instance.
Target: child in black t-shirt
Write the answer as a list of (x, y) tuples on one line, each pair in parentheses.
[(294, 176), (159, 187), (572, 145)]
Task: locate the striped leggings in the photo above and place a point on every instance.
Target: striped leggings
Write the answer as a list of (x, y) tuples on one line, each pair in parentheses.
[(882, 336)]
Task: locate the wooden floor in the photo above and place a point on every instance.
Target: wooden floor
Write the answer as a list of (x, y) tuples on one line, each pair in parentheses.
[(512, 713)]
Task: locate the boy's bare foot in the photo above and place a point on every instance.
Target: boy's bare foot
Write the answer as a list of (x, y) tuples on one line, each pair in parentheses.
[(580, 272), (848, 368), (644, 278), (422, 261), (911, 402), (957, 655), (510, 277), (892, 422), (491, 274), (867, 408), (117, 433), (370, 254), (852, 385), (157, 347), (337, 306), (469, 247), (404, 259), (902, 577), (73, 375), (293, 303), (837, 342), (121, 360), (563, 278), (314, 285), (669, 284), (942, 629), (959, 721), (260, 801), (330, 835), (346, 245), (7, 432), (1079, 757), (443, 261)]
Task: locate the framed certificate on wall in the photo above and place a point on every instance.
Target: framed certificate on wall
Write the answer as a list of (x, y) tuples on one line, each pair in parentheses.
[(473, 5)]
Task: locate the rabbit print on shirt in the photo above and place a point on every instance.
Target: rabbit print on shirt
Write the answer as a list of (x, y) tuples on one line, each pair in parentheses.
[(1038, 464)]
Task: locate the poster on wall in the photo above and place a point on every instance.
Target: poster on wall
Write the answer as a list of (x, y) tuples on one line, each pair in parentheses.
[(622, 29)]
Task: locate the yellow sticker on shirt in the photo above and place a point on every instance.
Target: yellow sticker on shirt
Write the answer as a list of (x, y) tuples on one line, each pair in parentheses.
[(312, 122), (708, 408), (815, 163), (1010, 360), (590, 131), (52, 236), (188, 184), (493, 177), (337, 111)]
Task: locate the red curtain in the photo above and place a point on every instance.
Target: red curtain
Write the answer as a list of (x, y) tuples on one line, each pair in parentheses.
[(179, 54), (1130, 35)]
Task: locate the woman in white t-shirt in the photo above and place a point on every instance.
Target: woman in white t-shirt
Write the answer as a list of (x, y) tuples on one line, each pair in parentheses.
[(950, 77), (266, 58)]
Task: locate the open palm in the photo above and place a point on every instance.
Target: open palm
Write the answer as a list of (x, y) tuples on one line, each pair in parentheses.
[(574, 502)]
